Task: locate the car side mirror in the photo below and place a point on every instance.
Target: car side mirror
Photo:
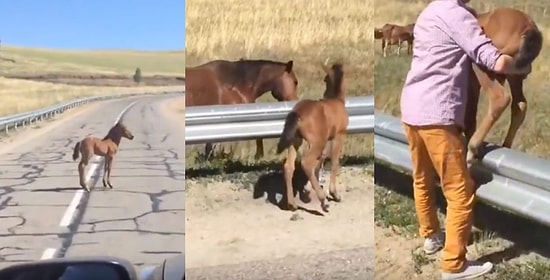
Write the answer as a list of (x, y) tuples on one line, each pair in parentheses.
[(80, 268)]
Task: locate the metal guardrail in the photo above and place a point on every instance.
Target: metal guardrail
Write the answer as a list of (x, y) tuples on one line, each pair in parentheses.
[(216, 114), (27, 118), (227, 123), (517, 183)]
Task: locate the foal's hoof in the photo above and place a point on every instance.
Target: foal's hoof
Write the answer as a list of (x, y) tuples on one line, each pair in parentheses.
[(325, 205), (110, 186), (104, 184), (471, 158), (291, 207), (305, 196), (336, 197), (85, 188)]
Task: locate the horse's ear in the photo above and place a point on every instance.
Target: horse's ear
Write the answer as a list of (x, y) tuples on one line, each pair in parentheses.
[(289, 66)]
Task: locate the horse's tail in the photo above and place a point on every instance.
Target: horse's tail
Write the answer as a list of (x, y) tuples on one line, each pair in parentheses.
[(529, 48), (76, 151), (289, 131)]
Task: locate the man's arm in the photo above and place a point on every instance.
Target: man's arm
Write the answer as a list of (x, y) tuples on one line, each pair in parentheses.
[(464, 29)]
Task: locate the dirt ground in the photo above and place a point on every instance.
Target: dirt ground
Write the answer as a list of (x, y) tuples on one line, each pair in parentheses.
[(395, 258), (225, 225)]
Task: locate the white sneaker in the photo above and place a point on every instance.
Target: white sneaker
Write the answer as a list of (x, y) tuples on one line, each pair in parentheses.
[(434, 243), (472, 270)]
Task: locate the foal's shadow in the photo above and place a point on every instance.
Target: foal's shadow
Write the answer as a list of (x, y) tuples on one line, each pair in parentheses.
[(273, 183), (57, 189)]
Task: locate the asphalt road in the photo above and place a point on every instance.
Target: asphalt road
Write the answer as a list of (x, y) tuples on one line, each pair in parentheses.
[(354, 264), (141, 219)]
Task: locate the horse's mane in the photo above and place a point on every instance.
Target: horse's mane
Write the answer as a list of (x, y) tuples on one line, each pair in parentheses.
[(244, 71)]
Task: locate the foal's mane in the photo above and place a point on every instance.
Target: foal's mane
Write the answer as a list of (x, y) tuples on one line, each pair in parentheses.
[(112, 132), (337, 89)]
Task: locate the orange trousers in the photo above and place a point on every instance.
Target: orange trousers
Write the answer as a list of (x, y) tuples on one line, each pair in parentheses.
[(440, 149)]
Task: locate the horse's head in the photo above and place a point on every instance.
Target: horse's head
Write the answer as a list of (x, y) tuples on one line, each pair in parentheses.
[(410, 27), (334, 81), (378, 34), (124, 132), (284, 85)]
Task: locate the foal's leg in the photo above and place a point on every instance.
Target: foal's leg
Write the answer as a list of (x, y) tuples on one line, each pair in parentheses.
[(518, 108), (289, 166), (109, 164), (105, 165), (498, 100), (336, 151), (470, 121), (105, 171), (309, 163), (81, 171), (259, 148)]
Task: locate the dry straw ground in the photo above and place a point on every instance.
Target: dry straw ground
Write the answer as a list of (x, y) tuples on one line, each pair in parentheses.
[(305, 31), (22, 95), (396, 233)]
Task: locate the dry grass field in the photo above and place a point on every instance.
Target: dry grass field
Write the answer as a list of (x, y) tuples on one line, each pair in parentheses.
[(102, 72), (307, 32), (518, 248)]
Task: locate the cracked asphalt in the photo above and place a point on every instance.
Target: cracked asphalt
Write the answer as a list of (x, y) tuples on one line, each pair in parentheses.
[(141, 219)]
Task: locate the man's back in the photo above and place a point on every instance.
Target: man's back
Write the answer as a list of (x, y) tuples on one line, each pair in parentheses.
[(446, 33)]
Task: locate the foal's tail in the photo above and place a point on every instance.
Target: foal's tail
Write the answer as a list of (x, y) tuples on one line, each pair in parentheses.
[(289, 131), (529, 48), (76, 151)]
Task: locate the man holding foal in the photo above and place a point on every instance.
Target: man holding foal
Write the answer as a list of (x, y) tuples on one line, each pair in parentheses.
[(433, 104)]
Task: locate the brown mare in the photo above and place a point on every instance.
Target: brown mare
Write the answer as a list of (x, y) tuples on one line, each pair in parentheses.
[(236, 82), (393, 34), (106, 147), (515, 34), (317, 122)]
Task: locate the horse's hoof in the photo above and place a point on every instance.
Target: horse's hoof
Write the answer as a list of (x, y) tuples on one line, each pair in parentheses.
[(110, 186), (104, 184)]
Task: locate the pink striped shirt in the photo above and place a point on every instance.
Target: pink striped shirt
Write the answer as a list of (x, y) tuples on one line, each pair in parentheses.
[(446, 36)]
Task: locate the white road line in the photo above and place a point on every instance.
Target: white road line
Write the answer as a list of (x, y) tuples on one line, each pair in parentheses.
[(69, 212), (48, 254)]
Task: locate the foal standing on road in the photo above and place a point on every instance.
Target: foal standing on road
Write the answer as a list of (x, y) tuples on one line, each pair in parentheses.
[(316, 121), (106, 147)]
